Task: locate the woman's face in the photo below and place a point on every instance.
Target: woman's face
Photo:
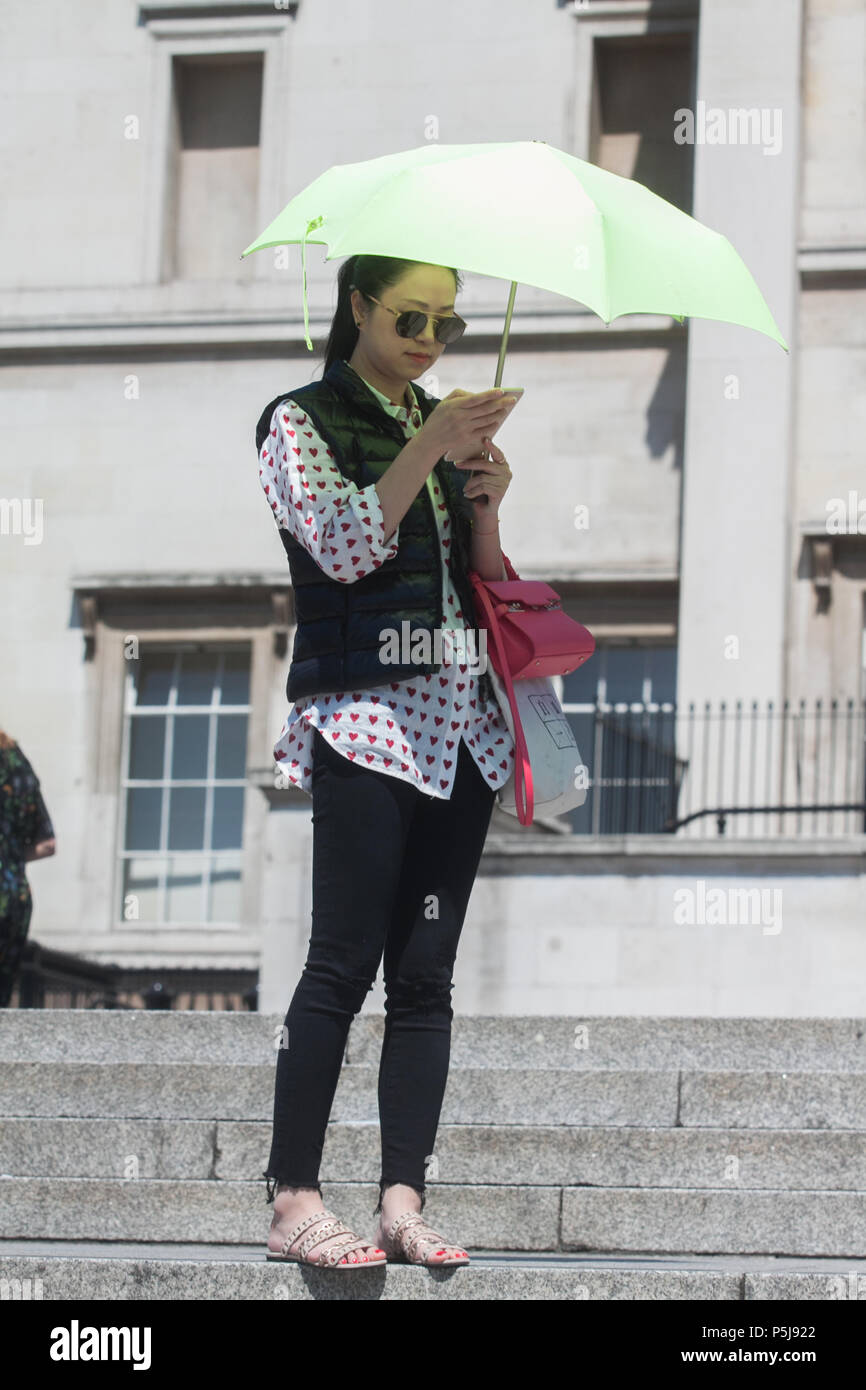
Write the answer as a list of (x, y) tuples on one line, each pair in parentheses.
[(429, 288)]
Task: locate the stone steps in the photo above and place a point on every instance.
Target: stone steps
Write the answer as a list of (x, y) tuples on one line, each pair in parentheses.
[(488, 1096), (658, 1158), (129, 1273), (577, 1155), (665, 1220), (497, 1041)]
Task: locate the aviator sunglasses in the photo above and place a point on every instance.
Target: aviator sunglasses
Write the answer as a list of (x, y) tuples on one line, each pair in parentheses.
[(411, 322)]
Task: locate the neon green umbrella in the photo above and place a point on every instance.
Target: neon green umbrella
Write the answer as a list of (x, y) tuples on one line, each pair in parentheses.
[(525, 211)]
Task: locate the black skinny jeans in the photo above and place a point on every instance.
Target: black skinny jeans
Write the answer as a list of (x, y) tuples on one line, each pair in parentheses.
[(393, 869)]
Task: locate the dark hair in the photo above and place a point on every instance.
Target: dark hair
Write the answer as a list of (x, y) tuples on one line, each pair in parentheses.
[(371, 275)]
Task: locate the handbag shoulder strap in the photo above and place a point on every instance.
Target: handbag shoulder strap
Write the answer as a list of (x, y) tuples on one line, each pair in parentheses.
[(522, 766), (509, 568)]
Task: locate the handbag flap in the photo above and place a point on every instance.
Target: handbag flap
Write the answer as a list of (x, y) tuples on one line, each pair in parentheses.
[(531, 592)]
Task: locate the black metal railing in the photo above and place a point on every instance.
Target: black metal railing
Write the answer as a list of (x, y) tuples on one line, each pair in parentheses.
[(50, 979), (777, 769)]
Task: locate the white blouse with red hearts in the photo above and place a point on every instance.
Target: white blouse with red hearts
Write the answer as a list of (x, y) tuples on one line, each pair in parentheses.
[(408, 729)]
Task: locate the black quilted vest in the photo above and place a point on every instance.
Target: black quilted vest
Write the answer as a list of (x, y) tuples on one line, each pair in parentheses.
[(337, 643)]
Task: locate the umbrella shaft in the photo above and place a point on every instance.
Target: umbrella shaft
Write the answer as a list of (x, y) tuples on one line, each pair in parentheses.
[(503, 345)]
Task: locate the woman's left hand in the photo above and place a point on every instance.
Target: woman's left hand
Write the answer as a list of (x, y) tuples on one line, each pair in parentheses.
[(492, 477)]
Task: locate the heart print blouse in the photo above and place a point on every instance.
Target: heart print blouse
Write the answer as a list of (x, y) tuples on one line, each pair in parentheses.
[(408, 729)]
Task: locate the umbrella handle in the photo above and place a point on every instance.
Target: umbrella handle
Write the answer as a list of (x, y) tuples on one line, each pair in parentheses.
[(482, 496)]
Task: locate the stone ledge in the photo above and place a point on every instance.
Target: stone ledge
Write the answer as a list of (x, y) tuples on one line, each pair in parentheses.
[(128, 1272), (658, 853)]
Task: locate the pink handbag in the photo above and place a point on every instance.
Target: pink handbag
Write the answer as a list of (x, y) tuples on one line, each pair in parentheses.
[(528, 636)]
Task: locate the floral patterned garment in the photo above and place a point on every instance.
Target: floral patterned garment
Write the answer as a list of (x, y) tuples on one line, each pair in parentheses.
[(408, 729), (24, 822)]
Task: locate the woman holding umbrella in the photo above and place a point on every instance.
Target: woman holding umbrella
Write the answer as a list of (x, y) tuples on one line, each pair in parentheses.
[(374, 516), (369, 481)]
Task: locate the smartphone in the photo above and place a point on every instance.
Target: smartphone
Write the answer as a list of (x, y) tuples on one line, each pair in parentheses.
[(516, 391)]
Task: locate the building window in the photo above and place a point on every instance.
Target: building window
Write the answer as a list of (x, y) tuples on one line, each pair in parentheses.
[(213, 193), (621, 706), (184, 774), (639, 82)]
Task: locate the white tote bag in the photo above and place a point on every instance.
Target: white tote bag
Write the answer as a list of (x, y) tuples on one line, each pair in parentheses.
[(559, 776)]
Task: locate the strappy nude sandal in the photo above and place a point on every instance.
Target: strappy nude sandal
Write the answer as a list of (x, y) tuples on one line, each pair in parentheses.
[(346, 1241), (410, 1230)]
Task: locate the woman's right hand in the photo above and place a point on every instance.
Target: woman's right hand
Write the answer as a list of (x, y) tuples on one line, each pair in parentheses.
[(458, 424)]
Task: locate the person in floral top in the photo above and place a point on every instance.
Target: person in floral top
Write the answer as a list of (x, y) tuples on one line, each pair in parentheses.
[(26, 833), (403, 778), (411, 728)]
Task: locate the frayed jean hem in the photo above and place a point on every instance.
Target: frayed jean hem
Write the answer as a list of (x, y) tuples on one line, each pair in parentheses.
[(273, 1183)]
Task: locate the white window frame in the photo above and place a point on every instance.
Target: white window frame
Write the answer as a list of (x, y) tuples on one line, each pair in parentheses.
[(603, 19), (111, 609), (126, 783), (195, 36)]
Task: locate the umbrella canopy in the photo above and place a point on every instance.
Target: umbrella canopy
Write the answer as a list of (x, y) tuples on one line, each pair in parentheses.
[(527, 212)]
